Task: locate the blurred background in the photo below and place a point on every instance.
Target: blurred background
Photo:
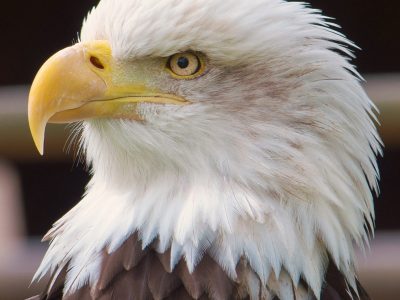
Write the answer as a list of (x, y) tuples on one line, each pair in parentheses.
[(36, 191)]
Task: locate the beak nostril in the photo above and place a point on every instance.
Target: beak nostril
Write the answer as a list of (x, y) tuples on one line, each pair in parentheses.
[(96, 62)]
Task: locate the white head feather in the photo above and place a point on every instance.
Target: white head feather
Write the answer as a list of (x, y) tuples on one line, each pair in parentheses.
[(273, 161)]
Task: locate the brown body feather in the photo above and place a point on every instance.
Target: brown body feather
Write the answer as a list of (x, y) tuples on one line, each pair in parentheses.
[(131, 273)]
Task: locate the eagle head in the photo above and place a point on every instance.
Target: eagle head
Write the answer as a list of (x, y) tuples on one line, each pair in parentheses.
[(231, 129)]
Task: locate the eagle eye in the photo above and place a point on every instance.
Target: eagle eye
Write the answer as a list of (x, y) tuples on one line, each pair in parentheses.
[(186, 65)]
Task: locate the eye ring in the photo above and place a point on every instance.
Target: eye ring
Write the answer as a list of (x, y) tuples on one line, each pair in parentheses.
[(186, 65)]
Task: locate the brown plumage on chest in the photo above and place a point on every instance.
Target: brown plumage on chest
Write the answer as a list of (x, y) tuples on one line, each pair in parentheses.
[(133, 273)]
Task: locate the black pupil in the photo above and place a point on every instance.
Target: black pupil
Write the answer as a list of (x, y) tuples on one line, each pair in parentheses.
[(183, 62)]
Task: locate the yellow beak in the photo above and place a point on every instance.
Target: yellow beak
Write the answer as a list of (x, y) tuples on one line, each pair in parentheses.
[(83, 82)]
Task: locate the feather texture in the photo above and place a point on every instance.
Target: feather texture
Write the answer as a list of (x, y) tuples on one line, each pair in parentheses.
[(149, 278), (272, 163)]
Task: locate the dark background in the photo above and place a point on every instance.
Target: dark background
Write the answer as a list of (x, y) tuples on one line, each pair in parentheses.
[(33, 30)]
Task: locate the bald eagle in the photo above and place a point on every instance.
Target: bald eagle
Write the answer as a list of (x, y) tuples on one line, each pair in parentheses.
[(232, 152)]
